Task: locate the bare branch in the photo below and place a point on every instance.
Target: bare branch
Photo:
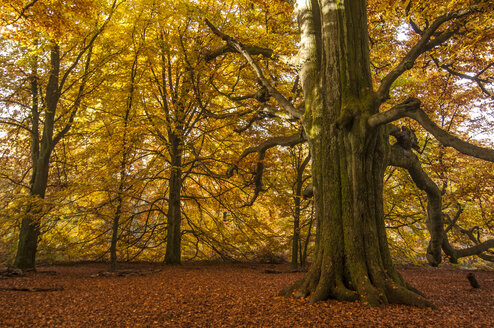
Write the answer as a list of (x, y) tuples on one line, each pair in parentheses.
[(22, 13), (87, 47), (475, 78), (9, 121), (289, 141), (287, 105), (414, 26), (449, 140), (406, 159), (252, 50), (77, 102), (394, 113), (452, 223), (478, 249), (429, 39), (411, 109)]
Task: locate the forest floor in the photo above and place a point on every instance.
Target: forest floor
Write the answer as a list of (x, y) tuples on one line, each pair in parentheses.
[(225, 295)]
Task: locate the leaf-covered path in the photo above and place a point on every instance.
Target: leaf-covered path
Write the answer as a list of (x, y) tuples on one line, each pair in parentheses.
[(227, 295)]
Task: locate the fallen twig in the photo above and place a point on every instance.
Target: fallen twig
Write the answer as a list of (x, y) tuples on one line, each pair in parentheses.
[(30, 289)]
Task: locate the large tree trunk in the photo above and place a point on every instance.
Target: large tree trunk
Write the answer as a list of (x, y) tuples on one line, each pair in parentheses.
[(174, 236), (352, 258)]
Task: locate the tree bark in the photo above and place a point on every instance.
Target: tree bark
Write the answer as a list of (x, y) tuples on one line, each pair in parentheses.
[(174, 236), (40, 156), (404, 158), (123, 165), (42, 149), (352, 259), (297, 199)]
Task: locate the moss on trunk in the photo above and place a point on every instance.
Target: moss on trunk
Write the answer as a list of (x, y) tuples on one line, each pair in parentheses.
[(352, 260)]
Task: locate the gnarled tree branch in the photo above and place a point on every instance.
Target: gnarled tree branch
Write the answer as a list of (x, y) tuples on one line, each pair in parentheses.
[(478, 249), (282, 101), (411, 109), (474, 78), (288, 141), (429, 40), (252, 50), (261, 149), (406, 159)]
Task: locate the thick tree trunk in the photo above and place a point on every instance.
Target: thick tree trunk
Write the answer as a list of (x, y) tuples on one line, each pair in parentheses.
[(174, 236), (352, 259), (28, 241)]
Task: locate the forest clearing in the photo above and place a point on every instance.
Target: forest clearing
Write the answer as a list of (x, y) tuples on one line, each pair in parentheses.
[(228, 295)]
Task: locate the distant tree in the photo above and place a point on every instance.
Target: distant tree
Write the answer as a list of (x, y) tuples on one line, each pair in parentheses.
[(55, 92)]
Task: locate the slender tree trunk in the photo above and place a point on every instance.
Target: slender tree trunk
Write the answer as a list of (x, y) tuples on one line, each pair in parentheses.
[(296, 233), (40, 156), (174, 236), (303, 250), (297, 199), (30, 226), (114, 236), (123, 167), (352, 259)]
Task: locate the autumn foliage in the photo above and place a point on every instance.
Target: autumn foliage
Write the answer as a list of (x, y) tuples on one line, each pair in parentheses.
[(226, 295), (172, 131)]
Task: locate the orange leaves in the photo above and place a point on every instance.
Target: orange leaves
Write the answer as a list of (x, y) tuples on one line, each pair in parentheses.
[(53, 17), (228, 295)]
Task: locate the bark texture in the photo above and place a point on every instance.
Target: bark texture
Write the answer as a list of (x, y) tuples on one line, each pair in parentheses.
[(174, 236), (297, 199), (352, 259), (44, 137), (40, 156)]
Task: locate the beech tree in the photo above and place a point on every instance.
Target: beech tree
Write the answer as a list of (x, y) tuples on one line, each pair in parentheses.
[(350, 147), (48, 121)]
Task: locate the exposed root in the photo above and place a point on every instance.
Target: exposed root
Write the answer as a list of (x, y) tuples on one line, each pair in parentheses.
[(402, 295), (390, 293), (369, 294), (289, 289), (342, 293)]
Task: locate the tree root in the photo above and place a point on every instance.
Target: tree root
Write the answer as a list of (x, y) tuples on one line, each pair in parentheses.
[(367, 293), (402, 295)]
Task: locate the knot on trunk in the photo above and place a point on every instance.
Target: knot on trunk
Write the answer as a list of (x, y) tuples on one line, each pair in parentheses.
[(406, 138), (262, 95), (308, 192)]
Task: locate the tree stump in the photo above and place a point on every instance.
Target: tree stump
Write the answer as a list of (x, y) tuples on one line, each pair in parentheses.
[(473, 281)]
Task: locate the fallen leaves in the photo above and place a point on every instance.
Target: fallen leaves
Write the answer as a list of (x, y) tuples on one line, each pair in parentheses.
[(228, 295)]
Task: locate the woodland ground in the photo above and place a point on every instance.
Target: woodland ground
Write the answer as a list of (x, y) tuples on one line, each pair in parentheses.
[(227, 295)]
